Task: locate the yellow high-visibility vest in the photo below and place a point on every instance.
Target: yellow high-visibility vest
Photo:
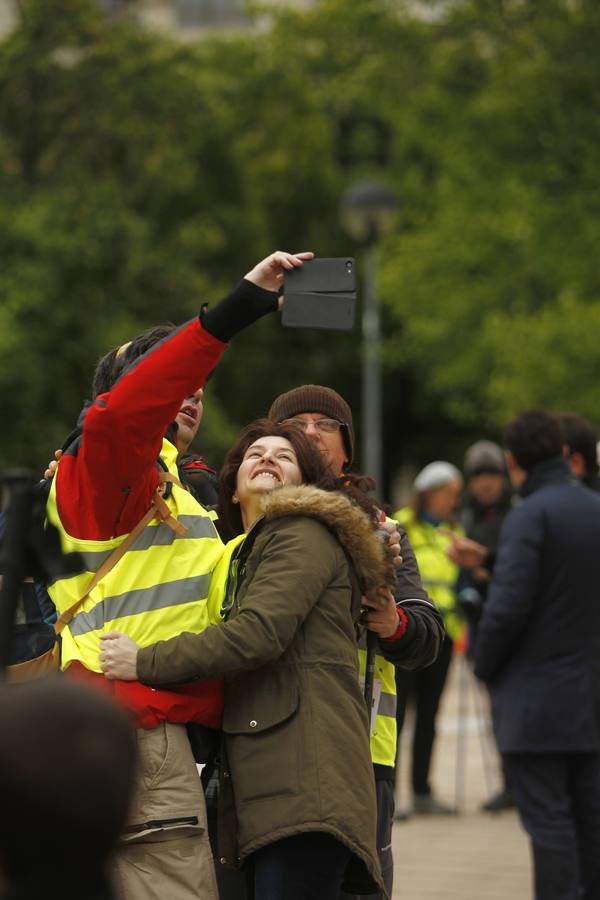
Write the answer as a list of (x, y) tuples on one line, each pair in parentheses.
[(218, 582), (383, 719), (157, 590), (438, 573)]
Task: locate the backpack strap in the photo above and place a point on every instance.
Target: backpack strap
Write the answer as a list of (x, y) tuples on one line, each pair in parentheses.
[(159, 508)]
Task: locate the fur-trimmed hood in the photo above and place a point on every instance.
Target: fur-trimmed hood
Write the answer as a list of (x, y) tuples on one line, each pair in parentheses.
[(350, 524)]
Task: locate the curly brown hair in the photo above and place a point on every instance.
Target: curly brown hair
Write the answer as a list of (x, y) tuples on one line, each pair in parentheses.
[(313, 468)]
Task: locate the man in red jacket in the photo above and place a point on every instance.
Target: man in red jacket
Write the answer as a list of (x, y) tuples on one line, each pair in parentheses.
[(146, 396)]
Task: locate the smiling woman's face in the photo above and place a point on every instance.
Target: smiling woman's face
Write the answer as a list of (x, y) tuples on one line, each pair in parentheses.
[(268, 463)]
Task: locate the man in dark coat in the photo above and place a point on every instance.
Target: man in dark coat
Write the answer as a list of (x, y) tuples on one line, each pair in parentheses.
[(538, 647)]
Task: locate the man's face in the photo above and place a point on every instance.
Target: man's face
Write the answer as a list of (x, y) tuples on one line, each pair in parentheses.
[(577, 463), (516, 474), (188, 420), (487, 487), (329, 442)]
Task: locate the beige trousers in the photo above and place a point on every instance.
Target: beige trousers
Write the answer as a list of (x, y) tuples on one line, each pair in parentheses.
[(165, 853)]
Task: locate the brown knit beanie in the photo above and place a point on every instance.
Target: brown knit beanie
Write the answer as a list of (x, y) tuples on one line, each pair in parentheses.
[(314, 398)]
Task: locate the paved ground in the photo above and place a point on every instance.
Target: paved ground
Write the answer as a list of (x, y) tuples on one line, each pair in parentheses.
[(474, 855)]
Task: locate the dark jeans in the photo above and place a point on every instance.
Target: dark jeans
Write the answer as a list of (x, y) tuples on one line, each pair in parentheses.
[(385, 820), (308, 866), (231, 883), (426, 686), (558, 798)]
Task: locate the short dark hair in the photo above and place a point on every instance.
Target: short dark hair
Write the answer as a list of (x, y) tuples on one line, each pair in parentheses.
[(313, 467), (112, 365), (67, 763), (580, 436), (533, 436)]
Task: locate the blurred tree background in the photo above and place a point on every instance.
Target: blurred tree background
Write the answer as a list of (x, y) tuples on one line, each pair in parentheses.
[(141, 176)]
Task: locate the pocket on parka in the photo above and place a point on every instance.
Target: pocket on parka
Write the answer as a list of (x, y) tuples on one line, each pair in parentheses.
[(262, 731)]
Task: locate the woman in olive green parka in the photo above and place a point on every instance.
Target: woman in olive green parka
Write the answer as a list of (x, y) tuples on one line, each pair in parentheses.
[(297, 758)]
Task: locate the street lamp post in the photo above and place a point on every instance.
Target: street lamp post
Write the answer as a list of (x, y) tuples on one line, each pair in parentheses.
[(368, 211)]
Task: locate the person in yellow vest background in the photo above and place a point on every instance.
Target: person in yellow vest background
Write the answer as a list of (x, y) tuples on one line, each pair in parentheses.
[(428, 521)]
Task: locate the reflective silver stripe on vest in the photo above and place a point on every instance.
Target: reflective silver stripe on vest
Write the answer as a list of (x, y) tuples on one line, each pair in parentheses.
[(160, 596), (157, 536), (387, 705)]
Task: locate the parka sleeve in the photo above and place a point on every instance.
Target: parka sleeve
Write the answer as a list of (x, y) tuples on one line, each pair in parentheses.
[(298, 560)]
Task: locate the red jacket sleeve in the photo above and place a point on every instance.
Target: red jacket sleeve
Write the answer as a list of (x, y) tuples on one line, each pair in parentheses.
[(106, 486)]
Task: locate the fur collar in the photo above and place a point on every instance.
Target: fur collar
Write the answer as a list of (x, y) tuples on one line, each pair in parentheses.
[(350, 524)]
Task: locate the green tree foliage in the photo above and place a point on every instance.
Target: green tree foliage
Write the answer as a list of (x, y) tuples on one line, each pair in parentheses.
[(122, 205), (304, 76), (497, 289), (140, 176)]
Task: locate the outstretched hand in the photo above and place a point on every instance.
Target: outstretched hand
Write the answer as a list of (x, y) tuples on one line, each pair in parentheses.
[(118, 656), (464, 551), (268, 273)]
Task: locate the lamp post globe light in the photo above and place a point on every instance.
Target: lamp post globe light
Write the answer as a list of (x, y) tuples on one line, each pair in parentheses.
[(368, 212)]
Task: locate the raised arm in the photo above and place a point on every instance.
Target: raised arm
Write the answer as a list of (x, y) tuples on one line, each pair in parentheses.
[(112, 470)]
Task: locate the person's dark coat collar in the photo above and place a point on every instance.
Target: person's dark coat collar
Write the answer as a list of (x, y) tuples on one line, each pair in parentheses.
[(549, 471), (591, 481)]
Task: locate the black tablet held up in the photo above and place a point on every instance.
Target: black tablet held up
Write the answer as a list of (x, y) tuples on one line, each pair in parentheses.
[(312, 310), (327, 275), (321, 294)]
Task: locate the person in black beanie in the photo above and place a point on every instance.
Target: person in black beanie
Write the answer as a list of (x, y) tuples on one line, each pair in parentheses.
[(488, 497), (486, 503)]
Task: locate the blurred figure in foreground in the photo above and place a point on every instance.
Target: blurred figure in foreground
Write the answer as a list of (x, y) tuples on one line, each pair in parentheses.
[(580, 448), (67, 759), (538, 647), (429, 524)]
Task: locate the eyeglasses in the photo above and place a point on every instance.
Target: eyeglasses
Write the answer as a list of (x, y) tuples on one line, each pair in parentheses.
[(329, 426)]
